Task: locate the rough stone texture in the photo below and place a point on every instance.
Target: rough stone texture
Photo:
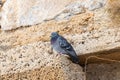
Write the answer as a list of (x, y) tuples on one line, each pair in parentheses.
[(79, 30), (103, 71), (35, 60), (29, 12), (92, 30)]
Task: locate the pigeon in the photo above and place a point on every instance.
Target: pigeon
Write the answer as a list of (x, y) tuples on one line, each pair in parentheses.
[(62, 46)]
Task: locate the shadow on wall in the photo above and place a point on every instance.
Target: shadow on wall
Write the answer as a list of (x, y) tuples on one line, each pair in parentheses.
[(106, 56)]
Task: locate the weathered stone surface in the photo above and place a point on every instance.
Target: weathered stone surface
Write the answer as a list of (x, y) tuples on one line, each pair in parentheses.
[(103, 71), (35, 59), (30, 12), (79, 30), (93, 31)]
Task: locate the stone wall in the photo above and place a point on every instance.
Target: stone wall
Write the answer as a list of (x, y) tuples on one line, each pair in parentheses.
[(91, 26)]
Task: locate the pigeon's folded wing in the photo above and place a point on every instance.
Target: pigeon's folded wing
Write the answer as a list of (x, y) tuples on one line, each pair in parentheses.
[(64, 44), (68, 48)]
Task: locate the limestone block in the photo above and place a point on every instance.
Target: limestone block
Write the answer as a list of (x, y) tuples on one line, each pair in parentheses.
[(34, 61), (30, 12)]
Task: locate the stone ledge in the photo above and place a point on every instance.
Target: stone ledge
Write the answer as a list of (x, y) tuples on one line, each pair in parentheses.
[(34, 61)]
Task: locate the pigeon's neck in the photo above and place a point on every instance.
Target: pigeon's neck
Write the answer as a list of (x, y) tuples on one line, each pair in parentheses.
[(53, 40)]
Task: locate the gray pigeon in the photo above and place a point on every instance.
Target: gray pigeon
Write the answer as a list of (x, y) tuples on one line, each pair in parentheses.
[(61, 45)]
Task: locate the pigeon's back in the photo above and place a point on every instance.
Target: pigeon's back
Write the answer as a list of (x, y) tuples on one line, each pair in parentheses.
[(69, 50)]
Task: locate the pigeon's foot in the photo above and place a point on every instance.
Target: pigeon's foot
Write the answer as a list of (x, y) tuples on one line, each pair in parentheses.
[(58, 55)]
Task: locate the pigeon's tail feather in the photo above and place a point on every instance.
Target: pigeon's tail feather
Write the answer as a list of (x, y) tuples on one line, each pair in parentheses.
[(74, 59)]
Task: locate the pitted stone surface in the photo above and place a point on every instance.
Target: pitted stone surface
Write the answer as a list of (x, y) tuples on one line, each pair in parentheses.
[(88, 28), (35, 58)]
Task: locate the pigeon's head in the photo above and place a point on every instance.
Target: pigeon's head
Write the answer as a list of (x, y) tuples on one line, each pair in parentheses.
[(54, 35)]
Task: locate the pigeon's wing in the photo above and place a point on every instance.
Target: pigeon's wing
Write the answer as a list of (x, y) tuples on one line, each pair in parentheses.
[(63, 43)]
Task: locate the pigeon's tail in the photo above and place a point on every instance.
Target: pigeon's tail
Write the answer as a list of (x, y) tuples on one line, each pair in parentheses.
[(74, 59)]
